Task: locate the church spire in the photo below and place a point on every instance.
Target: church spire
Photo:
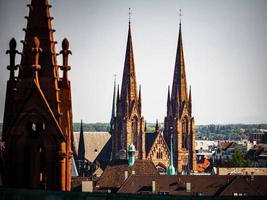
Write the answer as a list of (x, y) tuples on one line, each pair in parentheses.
[(190, 101), (114, 100), (81, 148), (128, 87), (113, 112), (140, 98), (157, 126), (179, 77), (39, 25)]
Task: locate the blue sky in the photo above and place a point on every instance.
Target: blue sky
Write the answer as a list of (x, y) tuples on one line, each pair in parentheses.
[(225, 47)]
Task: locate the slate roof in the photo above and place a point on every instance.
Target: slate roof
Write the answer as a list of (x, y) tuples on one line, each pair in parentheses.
[(150, 138), (114, 175), (94, 143), (103, 157), (244, 185)]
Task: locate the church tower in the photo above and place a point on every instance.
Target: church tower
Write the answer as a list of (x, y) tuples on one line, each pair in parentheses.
[(128, 119), (179, 122), (37, 128)]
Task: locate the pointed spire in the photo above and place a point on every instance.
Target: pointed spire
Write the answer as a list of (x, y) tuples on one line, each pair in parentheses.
[(177, 103), (157, 126), (39, 25), (140, 99), (168, 101), (139, 95), (128, 79), (113, 112), (190, 101), (171, 169), (179, 77), (81, 148), (114, 100), (118, 99)]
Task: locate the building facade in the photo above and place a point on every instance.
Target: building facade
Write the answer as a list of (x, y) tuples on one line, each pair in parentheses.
[(37, 127)]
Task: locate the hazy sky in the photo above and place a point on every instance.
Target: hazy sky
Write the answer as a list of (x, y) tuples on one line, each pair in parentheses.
[(225, 47)]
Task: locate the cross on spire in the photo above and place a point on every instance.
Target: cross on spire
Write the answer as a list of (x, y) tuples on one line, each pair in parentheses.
[(129, 15), (180, 15), (115, 77)]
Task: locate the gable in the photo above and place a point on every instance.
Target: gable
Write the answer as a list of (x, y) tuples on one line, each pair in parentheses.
[(158, 145), (35, 109)]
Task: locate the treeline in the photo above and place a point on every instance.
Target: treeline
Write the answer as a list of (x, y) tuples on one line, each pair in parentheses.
[(103, 127), (210, 132), (228, 131)]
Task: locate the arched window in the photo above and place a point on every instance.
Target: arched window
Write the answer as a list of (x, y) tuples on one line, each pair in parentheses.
[(135, 131), (184, 132)]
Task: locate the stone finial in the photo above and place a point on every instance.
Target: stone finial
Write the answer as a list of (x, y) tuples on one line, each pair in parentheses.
[(65, 55), (36, 51), (12, 54)]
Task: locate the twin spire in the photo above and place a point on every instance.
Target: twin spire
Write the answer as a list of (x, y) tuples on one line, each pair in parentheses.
[(179, 95), (129, 97)]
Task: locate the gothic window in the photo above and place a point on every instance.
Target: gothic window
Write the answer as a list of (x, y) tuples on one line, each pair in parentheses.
[(134, 131), (35, 128), (184, 132)]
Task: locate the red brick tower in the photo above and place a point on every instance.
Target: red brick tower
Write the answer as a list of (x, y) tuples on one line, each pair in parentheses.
[(37, 127), (128, 119), (179, 120)]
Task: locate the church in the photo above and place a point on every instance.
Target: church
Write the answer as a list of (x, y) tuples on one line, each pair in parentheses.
[(128, 124)]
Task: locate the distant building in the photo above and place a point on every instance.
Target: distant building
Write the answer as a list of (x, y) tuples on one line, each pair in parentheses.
[(256, 137), (258, 155), (245, 171)]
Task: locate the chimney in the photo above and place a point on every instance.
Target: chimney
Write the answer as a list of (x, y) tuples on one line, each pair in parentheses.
[(125, 175), (153, 186), (188, 187), (252, 176), (87, 186)]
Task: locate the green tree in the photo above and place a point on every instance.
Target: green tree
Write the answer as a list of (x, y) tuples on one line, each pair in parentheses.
[(238, 160)]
